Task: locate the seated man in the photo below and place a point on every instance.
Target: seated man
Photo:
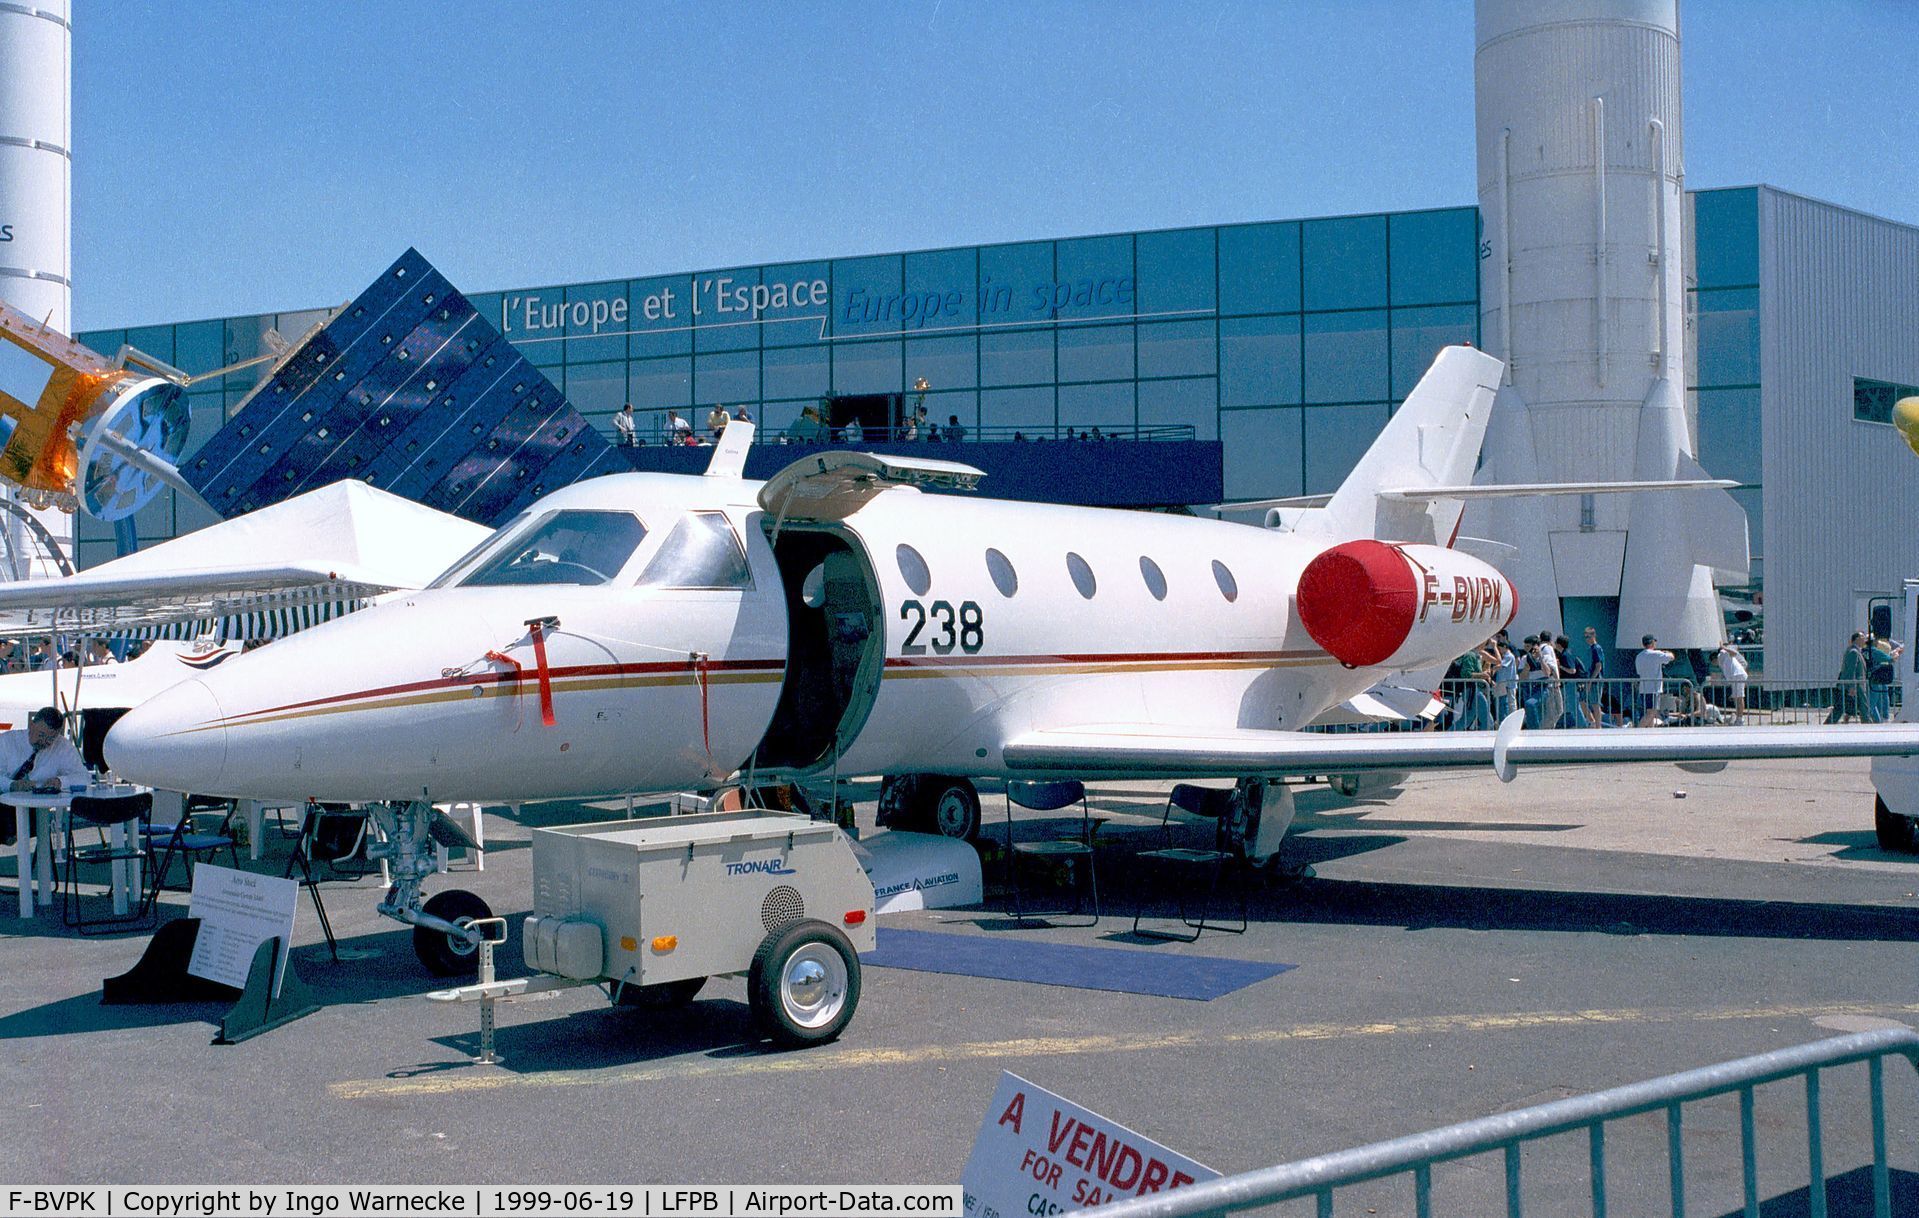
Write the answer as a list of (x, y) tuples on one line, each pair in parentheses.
[(41, 758)]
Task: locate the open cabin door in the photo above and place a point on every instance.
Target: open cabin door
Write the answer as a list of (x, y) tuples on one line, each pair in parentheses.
[(836, 632)]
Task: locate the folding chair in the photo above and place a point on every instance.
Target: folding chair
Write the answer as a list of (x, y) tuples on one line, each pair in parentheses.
[(1064, 852), (338, 837), (327, 835), (105, 813), (166, 839), (1211, 804)]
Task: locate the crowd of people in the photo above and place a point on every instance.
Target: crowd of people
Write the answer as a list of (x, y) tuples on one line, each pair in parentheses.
[(1558, 685), (36, 655), (1867, 672), (813, 426)]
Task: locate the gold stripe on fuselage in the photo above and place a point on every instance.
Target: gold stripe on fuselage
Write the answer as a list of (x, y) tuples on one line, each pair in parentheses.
[(525, 689), (569, 685)]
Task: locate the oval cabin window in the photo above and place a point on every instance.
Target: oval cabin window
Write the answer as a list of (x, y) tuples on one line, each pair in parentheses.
[(1154, 577), (913, 570), (1228, 586), (1001, 569), (1082, 576)]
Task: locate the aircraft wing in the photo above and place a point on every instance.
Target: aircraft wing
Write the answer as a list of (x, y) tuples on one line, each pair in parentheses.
[(126, 601), (1130, 750)]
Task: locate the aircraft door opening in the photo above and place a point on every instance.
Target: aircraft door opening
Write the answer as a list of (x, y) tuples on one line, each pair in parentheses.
[(835, 651)]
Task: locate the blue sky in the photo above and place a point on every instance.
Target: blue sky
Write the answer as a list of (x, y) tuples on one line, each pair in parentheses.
[(237, 157)]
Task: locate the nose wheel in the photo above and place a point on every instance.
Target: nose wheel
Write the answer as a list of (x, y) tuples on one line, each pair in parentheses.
[(442, 937), (446, 953)]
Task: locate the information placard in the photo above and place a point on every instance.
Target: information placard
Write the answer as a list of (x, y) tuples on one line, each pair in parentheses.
[(238, 911), (1040, 1154)]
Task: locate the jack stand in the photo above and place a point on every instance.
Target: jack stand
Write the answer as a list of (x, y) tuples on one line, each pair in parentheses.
[(487, 943)]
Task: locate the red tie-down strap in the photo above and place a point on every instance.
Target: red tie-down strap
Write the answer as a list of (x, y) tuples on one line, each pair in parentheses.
[(701, 665), (538, 627), (500, 657)]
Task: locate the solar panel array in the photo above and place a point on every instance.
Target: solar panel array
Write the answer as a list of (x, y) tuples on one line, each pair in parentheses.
[(408, 389)]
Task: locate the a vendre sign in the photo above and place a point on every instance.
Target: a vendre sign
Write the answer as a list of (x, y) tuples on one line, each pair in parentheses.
[(1039, 1154)]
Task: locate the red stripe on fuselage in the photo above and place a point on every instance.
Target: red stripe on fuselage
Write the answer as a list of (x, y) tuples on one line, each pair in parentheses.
[(674, 666), (513, 678), (1115, 657)]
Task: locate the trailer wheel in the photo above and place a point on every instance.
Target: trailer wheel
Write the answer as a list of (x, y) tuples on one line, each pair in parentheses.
[(1896, 832), (447, 955), (953, 807), (662, 997), (804, 984)]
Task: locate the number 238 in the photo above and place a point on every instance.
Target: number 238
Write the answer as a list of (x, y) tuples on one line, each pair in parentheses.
[(964, 628)]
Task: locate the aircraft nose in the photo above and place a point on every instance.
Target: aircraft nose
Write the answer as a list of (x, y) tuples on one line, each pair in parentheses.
[(174, 741)]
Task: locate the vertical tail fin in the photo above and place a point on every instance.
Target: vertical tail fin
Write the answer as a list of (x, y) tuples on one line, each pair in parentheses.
[(1432, 440)]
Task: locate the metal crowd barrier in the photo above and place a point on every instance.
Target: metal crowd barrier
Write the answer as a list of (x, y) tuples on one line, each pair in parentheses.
[(1772, 700), (1584, 702), (650, 431), (1416, 1154), (1682, 702)]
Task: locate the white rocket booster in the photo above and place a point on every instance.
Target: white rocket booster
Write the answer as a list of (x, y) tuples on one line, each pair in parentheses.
[(36, 178), (1582, 292)]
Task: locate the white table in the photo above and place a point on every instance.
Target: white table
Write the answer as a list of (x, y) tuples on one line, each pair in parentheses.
[(38, 864)]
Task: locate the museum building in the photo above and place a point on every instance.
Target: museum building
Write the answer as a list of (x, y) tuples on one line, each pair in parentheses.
[(1288, 342)]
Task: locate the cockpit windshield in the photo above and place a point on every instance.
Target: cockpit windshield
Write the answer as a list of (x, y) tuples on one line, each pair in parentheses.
[(701, 552), (572, 546)]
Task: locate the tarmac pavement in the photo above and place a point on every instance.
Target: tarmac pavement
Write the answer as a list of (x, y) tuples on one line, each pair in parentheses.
[(1465, 948)]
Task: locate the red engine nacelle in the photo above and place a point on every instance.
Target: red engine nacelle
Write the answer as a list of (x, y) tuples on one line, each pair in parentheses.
[(1370, 602)]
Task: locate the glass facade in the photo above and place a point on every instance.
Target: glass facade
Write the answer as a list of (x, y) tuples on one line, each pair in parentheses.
[(1291, 341), (1723, 356)]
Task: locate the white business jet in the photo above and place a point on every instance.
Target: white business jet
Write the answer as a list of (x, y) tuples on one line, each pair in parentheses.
[(648, 632)]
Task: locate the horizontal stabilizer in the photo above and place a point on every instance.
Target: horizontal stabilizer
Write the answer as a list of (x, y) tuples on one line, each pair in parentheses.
[(1518, 490), (1514, 490), (1151, 751)]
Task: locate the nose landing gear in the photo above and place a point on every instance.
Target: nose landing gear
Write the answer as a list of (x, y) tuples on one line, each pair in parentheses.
[(443, 934)]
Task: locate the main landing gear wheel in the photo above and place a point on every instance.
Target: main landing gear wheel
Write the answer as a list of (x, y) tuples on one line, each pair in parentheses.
[(662, 997), (448, 955), (804, 984), (931, 803), (953, 804), (1896, 832)]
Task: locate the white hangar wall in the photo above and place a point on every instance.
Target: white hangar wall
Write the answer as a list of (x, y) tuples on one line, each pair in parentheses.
[(1839, 300)]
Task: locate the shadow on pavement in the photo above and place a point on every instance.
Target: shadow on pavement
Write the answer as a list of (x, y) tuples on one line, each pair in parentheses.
[(1847, 1196), (1857, 844), (606, 1037)]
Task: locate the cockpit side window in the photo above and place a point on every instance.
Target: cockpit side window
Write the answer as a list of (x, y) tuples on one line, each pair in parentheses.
[(571, 546), (455, 573), (702, 551)]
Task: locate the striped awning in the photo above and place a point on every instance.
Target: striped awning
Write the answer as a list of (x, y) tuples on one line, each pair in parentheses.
[(236, 603), (263, 623)]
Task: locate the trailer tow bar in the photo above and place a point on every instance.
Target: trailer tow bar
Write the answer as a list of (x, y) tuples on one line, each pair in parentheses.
[(488, 991)]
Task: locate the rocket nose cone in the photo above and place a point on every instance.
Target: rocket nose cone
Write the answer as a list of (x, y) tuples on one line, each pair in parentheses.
[(174, 741)]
